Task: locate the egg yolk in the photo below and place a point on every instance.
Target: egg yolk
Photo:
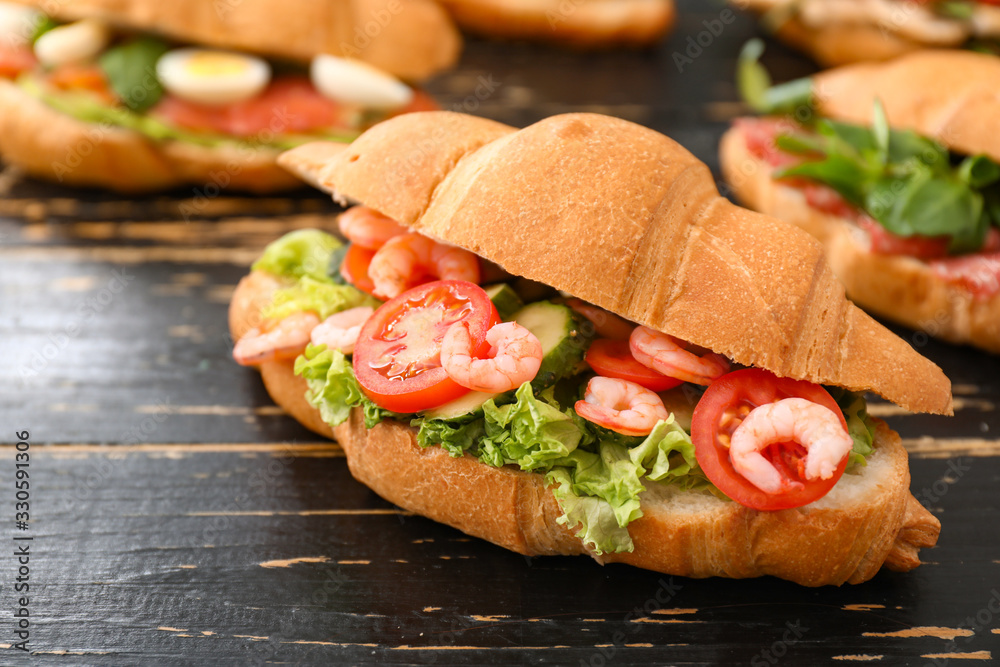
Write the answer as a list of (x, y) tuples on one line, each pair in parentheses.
[(215, 64)]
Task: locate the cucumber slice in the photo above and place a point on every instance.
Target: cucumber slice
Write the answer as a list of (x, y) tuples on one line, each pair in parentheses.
[(471, 403), (505, 299), (563, 344)]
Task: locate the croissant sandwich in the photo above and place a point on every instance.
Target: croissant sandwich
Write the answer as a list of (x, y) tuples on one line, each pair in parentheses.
[(901, 186), (575, 23), (140, 95), (648, 374), (837, 32)]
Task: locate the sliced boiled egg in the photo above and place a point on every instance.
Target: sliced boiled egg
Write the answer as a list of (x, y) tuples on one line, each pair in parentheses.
[(18, 23), (355, 82), (72, 43), (212, 77)]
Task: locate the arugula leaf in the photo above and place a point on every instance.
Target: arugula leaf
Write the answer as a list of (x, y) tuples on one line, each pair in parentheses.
[(754, 84), (978, 171), (131, 71), (904, 181), (752, 79)]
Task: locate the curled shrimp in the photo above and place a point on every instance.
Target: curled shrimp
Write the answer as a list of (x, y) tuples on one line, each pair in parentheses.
[(813, 426), (340, 330), (667, 355), (405, 261), (606, 324), (514, 358), (275, 339), (621, 406), (368, 228)]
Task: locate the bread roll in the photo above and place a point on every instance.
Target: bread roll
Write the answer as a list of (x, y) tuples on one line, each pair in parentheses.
[(577, 23)]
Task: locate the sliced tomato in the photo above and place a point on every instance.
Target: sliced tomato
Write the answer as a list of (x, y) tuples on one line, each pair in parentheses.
[(354, 268), (613, 359), (717, 416), (15, 59), (289, 105), (397, 358)]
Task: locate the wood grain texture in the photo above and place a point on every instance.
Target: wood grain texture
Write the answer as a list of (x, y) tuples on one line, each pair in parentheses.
[(165, 479)]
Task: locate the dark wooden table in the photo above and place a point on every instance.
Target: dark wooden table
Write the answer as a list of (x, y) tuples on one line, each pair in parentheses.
[(178, 517)]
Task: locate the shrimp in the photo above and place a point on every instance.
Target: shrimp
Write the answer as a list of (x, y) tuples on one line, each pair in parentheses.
[(811, 425), (606, 324), (667, 355), (368, 228), (275, 339), (340, 330), (621, 406), (404, 261), (514, 358)]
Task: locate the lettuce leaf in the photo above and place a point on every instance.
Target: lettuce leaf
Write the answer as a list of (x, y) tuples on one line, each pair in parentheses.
[(860, 426), (610, 475), (598, 524), (304, 252), (456, 436), (667, 452), (323, 298), (528, 432), (333, 389), (130, 68)]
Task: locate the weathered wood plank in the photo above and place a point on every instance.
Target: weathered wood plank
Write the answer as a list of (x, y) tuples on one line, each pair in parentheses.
[(269, 553)]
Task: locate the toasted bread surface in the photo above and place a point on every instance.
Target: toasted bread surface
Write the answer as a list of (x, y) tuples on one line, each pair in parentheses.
[(949, 96), (412, 39), (579, 23), (900, 288), (641, 231)]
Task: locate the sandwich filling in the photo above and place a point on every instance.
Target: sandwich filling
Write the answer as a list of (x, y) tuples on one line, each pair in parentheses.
[(906, 194), (207, 97), (516, 374), (946, 23)]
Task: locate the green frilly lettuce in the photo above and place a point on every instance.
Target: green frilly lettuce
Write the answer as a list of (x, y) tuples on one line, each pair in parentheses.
[(596, 476), (333, 389), (528, 432), (305, 255), (304, 252), (322, 297)]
